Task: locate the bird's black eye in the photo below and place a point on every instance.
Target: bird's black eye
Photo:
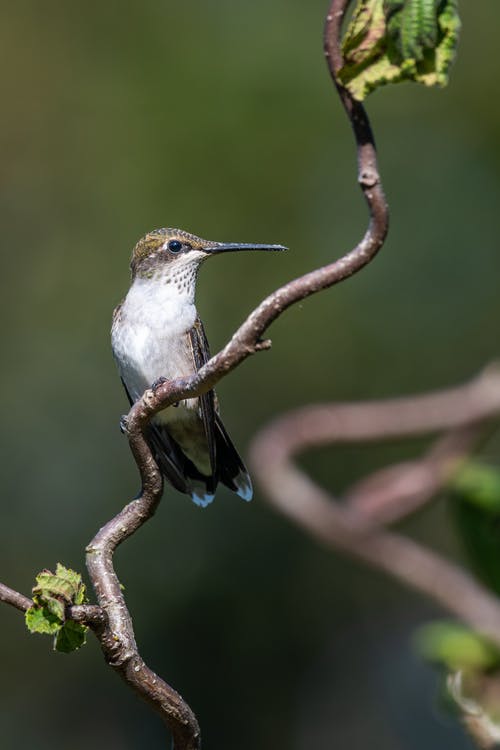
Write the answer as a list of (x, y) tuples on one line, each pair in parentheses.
[(175, 246)]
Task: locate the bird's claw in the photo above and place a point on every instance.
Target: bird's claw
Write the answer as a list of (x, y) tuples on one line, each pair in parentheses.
[(157, 383), (123, 424)]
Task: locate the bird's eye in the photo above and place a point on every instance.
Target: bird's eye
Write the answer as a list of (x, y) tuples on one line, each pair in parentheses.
[(174, 246)]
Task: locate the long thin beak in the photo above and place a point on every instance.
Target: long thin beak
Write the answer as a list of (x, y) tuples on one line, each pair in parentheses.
[(230, 247)]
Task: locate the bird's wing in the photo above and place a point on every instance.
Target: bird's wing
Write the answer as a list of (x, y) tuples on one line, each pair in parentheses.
[(231, 469), (201, 355), (226, 464)]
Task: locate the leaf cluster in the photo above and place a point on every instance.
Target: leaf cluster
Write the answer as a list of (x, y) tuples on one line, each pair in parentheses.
[(52, 595), (388, 41)]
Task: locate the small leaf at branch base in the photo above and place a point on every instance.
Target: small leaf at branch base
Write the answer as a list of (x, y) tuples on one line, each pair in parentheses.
[(389, 41), (70, 637), (51, 595), (39, 619)]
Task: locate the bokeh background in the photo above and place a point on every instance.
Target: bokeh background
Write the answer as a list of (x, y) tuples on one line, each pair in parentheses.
[(220, 118)]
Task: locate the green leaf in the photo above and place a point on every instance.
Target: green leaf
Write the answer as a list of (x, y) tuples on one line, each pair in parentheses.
[(65, 584), (53, 593), (388, 41), (39, 619), (456, 647), (412, 27), (70, 637), (474, 494), (479, 485)]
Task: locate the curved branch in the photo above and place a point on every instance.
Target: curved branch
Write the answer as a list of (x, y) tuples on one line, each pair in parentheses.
[(393, 492), (342, 526), (117, 638), (247, 339), (386, 419), (396, 491)]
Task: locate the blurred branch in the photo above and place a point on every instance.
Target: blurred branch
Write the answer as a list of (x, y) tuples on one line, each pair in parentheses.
[(353, 527), (479, 724), (392, 493)]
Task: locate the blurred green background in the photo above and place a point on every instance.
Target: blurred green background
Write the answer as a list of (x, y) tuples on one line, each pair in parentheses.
[(220, 118)]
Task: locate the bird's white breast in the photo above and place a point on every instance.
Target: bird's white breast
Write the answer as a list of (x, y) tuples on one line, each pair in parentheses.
[(149, 334)]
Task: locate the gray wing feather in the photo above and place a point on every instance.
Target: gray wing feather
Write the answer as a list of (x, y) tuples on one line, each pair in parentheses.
[(201, 355)]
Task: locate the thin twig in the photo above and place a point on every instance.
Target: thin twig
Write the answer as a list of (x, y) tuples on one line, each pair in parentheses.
[(342, 526), (89, 614), (14, 598)]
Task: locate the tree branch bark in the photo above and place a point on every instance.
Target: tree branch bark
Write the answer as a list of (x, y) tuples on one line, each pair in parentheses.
[(14, 598)]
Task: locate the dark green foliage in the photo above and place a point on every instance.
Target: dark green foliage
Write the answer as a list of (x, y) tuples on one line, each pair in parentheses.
[(475, 500)]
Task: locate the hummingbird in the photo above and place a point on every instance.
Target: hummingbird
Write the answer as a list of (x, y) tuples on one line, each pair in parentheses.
[(157, 335)]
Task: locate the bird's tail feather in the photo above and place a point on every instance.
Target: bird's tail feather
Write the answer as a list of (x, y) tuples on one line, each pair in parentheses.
[(180, 471), (231, 470)]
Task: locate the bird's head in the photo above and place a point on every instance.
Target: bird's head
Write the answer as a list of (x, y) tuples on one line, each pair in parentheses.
[(173, 251)]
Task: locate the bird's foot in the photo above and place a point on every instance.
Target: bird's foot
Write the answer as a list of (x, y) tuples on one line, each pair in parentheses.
[(123, 424), (158, 383)]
